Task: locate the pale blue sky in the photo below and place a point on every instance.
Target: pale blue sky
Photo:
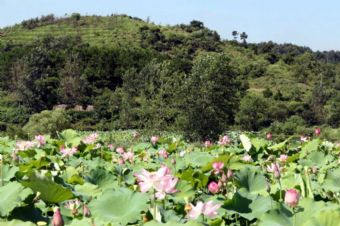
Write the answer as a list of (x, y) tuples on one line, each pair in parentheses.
[(312, 23)]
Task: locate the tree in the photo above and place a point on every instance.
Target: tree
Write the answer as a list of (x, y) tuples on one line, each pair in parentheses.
[(253, 114), (243, 37), (70, 89), (235, 35), (197, 25), (212, 93)]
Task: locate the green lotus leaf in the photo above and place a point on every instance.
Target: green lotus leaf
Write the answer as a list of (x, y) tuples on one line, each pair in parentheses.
[(280, 216), (249, 180), (16, 223), (122, 206), (249, 206), (309, 208), (327, 218), (259, 143), (82, 222), (332, 182), (88, 189), (71, 137), (309, 147), (245, 142), (49, 190), (198, 159), (12, 195), (7, 172)]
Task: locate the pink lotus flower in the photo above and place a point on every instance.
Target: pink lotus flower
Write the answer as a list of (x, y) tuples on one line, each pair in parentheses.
[(162, 181), (72, 204), (207, 143), (283, 158), (269, 136), (91, 139), (24, 145), (292, 198), (163, 153), (213, 187), (57, 219), (154, 140), (40, 139), (274, 168), (128, 156), (120, 150), (224, 140), (208, 209), (218, 167), (67, 152), (247, 158)]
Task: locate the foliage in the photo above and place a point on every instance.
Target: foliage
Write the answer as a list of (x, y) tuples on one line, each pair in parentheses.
[(47, 122), (138, 75), (98, 178)]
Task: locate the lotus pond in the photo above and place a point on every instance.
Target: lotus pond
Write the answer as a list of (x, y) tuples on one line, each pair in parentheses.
[(240, 180)]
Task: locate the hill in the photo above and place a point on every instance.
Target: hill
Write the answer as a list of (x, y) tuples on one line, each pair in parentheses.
[(136, 74)]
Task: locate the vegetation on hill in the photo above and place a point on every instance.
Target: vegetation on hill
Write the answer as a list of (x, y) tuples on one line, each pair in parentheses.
[(119, 72)]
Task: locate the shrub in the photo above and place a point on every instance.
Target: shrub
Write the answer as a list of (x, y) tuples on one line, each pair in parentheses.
[(47, 122)]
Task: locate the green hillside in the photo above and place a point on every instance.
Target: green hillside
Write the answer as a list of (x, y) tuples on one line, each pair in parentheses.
[(140, 75)]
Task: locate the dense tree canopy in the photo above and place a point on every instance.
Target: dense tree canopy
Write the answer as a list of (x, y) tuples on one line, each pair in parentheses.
[(179, 78)]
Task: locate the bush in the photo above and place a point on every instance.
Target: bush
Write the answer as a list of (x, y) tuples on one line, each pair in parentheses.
[(293, 125), (47, 122)]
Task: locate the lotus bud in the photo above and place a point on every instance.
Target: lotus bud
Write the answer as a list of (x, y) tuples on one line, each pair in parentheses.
[(224, 177), (154, 140), (230, 174), (163, 153), (317, 131), (213, 187), (275, 169), (292, 198), (120, 150), (86, 211), (57, 219), (314, 169), (121, 161), (207, 143), (269, 136), (283, 158)]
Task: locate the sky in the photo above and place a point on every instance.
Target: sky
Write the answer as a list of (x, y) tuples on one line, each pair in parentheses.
[(311, 23)]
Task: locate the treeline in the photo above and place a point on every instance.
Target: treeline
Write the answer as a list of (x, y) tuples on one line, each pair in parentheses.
[(194, 83)]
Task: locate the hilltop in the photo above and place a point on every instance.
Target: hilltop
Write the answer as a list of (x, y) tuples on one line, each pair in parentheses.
[(142, 69)]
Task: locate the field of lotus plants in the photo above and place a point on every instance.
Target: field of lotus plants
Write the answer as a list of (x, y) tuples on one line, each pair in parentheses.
[(240, 180)]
